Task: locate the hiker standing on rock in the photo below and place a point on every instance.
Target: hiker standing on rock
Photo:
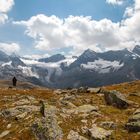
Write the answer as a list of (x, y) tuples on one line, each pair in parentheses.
[(14, 81)]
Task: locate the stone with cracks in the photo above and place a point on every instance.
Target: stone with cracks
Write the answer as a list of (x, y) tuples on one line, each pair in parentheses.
[(133, 124), (116, 99)]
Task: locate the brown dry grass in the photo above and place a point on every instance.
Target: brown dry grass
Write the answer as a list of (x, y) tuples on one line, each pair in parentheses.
[(108, 113)]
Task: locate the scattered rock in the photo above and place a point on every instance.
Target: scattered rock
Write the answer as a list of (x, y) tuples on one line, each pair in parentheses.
[(133, 124), (137, 111), (88, 101), (9, 126), (94, 90), (85, 109), (135, 94), (68, 97), (18, 111), (84, 130), (22, 102), (68, 104), (21, 116), (9, 113), (108, 125), (84, 121), (47, 128), (116, 99), (82, 90), (75, 136), (97, 133), (58, 92), (73, 91), (3, 134), (64, 91)]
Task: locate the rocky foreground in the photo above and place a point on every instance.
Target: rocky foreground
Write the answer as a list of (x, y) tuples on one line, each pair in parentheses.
[(105, 113)]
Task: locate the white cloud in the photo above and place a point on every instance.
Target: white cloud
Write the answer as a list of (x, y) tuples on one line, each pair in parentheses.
[(52, 33), (5, 6), (115, 2), (3, 18), (129, 12), (9, 48), (80, 32), (35, 56), (131, 26)]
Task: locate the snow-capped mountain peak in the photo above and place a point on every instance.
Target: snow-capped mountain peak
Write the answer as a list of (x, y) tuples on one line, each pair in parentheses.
[(137, 50), (89, 69), (53, 58)]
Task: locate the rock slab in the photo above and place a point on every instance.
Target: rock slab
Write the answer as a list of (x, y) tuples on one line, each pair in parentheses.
[(133, 124), (116, 99)]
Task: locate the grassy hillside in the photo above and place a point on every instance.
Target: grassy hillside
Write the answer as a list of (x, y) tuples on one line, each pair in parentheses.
[(66, 109)]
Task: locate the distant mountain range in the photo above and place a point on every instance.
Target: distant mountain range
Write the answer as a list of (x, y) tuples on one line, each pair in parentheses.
[(89, 69)]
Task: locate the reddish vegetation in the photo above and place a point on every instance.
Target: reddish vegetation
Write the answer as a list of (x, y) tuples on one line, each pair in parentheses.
[(108, 113)]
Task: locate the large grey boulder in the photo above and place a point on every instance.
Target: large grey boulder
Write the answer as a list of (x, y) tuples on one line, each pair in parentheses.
[(115, 98), (135, 94), (108, 125), (85, 109), (21, 116), (47, 128), (82, 90), (75, 136), (5, 133), (133, 124), (10, 112), (94, 90), (98, 133)]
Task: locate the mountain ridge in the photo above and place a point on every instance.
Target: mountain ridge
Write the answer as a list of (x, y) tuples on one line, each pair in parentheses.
[(90, 68)]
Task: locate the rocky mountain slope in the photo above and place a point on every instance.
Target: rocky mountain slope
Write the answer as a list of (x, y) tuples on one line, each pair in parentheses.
[(111, 112), (89, 69)]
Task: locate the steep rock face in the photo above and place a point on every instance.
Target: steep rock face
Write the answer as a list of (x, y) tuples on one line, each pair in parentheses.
[(120, 55), (16, 62), (98, 69), (89, 69), (86, 56), (137, 50), (54, 58), (4, 57)]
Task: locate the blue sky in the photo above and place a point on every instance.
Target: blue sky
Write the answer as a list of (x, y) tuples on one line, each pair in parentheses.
[(98, 9), (107, 16)]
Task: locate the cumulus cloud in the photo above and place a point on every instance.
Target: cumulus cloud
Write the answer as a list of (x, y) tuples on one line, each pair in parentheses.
[(5, 6), (115, 2), (35, 56), (129, 12), (3, 18), (79, 32), (9, 48), (131, 26)]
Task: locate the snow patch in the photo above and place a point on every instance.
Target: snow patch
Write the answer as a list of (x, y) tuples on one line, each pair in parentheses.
[(102, 66), (28, 71), (52, 67), (6, 64)]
